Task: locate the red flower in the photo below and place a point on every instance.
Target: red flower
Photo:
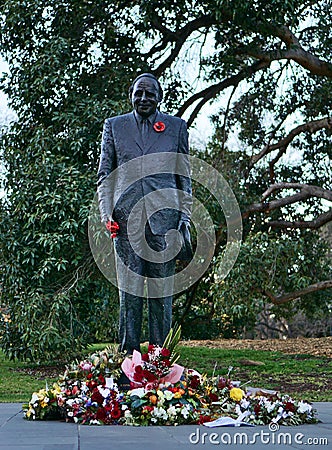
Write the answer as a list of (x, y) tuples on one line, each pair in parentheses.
[(148, 408), (75, 390), (202, 419), (116, 413), (149, 376), (89, 376), (101, 379), (257, 409), (138, 376), (289, 406), (165, 352), (97, 397), (145, 357), (101, 414), (150, 348), (159, 127), (138, 369), (194, 382), (91, 385), (213, 397)]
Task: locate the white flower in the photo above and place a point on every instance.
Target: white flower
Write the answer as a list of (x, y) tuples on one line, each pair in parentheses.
[(303, 407), (238, 409), (84, 388), (159, 413), (160, 394), (124, 407), (140, 392), (172, 411), (269, 406), (185, 411), (105, 392), (245, 403), (94, 422), (157, 351), (70, 413), (34, 398), (71, 401), (153, 419), (168, 395), (127, 413)]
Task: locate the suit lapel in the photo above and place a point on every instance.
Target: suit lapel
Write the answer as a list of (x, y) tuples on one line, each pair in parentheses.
[(155, 136), (135, 134)]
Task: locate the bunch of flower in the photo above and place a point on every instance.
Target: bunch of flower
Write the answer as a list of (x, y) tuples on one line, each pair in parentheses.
[(43, 404), (168, 404), (106, 362), (282, 409), (85, 388), (94, 401), (155, 365), (163, 393)]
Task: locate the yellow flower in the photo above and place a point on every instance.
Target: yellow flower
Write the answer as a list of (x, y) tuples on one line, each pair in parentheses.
[(44, 403), (177, 395), (29, 412), (236, 394), (56, 389)]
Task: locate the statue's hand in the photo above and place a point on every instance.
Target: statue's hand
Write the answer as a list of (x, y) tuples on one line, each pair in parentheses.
[(112, 227), (184, 228)]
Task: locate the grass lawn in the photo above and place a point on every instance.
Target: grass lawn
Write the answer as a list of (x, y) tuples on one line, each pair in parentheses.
[(302, 376)]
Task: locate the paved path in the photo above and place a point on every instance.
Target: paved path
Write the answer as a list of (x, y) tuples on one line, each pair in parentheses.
[(19, 434)]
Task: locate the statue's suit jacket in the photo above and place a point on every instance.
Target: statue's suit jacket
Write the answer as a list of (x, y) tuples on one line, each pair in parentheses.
[(122, 142)]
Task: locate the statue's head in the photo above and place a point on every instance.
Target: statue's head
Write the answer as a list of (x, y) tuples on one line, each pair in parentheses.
[(145, 93)]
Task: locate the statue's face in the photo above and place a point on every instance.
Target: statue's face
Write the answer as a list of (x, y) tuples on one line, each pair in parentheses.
[(145, 95)]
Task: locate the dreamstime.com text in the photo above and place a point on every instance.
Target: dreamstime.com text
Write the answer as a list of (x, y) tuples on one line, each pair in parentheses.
[(263, 437)]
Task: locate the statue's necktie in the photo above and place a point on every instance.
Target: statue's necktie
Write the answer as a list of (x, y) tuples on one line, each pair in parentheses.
[(145, 131)]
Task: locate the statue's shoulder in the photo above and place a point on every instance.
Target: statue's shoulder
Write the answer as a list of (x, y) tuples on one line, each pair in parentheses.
[(174, 120), (120, 118)]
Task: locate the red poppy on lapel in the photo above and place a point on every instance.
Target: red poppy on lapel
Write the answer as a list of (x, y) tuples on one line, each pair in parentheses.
[(159, 127)]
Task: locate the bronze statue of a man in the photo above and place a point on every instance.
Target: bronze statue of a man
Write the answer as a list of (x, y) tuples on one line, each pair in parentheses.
[(143, 132)]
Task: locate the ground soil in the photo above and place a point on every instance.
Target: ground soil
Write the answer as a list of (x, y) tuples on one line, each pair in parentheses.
[(308, 346)]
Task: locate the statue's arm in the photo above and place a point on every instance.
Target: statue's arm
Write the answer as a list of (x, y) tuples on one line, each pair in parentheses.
[(107, 164)]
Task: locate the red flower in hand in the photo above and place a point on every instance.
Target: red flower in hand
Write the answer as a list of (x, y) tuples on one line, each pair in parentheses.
[(112, 227), (159, 127)]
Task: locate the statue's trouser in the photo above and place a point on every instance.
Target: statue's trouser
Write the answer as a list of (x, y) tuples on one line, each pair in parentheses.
[(150, 283)]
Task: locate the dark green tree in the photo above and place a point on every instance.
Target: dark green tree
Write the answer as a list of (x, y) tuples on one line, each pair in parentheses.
[(71, 63)]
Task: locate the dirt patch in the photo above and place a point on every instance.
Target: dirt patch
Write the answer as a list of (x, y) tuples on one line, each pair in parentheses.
[(308, 346), (42, 372)]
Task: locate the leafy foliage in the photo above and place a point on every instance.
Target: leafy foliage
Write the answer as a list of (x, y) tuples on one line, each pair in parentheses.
[(71, 63)]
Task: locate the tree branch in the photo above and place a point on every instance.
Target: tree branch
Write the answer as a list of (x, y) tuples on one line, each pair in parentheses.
[(282, 144), (296, 295), (210, 92), (294, 51), (178, 37), (314, 191), (306, 191), (321, 220)]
